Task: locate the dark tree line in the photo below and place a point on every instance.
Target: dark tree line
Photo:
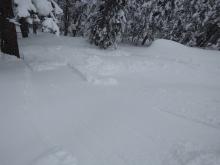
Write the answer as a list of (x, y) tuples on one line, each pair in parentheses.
[(190, 22)]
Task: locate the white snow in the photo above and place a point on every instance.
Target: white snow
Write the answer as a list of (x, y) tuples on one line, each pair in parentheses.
[(68, 103), (24, 7), (55, 156), (44, 7), (49, 25)]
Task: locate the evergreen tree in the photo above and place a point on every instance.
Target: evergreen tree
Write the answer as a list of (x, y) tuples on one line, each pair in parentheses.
[(76, 13), (78, 17), (29, 12), (142, 23), (190, 22), (135, 21), (108, 23)]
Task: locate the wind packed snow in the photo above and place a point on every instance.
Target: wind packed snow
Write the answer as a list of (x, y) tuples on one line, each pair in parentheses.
[(69, 103)]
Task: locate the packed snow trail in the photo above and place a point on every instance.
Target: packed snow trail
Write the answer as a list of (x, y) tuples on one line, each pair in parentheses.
[(69, 103)]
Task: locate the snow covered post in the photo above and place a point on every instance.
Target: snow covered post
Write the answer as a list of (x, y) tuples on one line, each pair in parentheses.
[(9, 43), (24, 27)]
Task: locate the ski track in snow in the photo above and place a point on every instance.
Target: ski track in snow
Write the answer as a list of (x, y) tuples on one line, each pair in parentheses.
[(55, 155), (191, 119)]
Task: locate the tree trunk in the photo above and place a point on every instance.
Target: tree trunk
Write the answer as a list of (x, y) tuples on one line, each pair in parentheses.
[(66, 18), (35, 28), (24, 27), (1, 22), (144, 40), (9, 44), (148, 37)]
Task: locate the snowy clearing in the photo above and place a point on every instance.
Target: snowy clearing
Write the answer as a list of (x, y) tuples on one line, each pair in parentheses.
[(69, 103)]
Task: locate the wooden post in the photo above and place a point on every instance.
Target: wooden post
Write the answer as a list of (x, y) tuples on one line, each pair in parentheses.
[(9, 43)]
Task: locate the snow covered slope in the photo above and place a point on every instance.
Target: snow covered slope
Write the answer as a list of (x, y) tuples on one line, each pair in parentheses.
[(69, 103)]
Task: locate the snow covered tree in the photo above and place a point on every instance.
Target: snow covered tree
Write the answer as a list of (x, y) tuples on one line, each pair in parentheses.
[(195, 23), (82, 10), (66, 5), (191, 22), (29, 12), (107, 23), (23, 9), (76, 13), (135, 21), (141, 21), (207, 23)]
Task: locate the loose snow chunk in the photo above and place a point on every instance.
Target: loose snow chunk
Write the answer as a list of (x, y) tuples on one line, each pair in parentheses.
[(102, 81), (191, 154), (206, 159), (56, 157)]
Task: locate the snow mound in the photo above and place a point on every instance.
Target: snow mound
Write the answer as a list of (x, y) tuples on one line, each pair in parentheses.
[(167, 43), (206, 159), (191, 154), (55, 157), (102, 81)]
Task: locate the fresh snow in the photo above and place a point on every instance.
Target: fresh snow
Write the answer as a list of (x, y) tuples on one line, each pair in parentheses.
[(68, 103)]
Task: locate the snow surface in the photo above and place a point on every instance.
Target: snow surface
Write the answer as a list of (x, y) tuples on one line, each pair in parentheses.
[(69, 103)]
